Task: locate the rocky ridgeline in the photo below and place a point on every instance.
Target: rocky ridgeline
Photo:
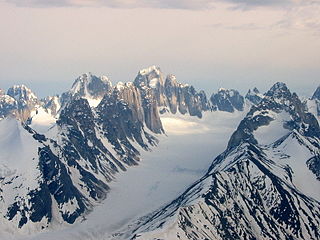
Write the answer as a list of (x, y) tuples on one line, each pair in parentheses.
[(253, 190), (174, 97), (148, 95)]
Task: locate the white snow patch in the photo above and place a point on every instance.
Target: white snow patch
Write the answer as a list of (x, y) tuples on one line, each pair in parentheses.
[(93, 102), (42, 121), (19, 170), (296, 156), (263, 134), (312, 108)]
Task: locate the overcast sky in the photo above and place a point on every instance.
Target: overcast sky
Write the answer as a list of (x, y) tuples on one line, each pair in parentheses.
[(239, 44)]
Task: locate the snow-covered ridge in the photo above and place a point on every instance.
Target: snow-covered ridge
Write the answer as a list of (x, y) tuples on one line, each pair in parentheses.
[(261, 187), (91, 87)]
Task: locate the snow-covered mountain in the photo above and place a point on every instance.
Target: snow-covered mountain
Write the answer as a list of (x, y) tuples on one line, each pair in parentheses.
[(76, 141), (263, 186), (90, 87), (74, 161), (60, 154), (19, 101), (71, 165)]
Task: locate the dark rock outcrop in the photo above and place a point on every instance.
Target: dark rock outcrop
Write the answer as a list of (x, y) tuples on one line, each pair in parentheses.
[(254, 96), (227, 100), (169, 94)]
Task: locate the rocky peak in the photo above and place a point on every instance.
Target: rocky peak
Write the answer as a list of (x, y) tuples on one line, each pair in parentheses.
[(227, 100), (278, 99), (2, 92), (130, 94), (7, 105), (151, 77), (53, 104), (279, 92), (254, 96), (171, 81), (23, 95), (89, 85), (316, 94), (255, 90)]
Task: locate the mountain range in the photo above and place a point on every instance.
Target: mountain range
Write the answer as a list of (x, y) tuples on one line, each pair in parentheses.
[(60, 154)]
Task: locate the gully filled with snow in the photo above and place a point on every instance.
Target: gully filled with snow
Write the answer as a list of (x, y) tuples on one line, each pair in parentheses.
[(181, 157)]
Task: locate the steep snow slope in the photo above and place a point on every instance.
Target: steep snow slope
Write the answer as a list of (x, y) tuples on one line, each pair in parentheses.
[(19, 172), (160, 177), (265, 185), (42, 120)]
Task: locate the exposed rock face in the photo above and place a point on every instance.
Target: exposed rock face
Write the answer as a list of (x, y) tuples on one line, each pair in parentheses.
[(8, 105), (77, 158), (149, 87), (227, 100), (131, 95), (98, 130), (171, 95), (24, 96), (19, 101), (174, 95), (152, 77), (52, 104), (88, 85), (141, 101), (254, 96), (150, 107), (195, 102), (277, 99), (255, 189), (86, 148)]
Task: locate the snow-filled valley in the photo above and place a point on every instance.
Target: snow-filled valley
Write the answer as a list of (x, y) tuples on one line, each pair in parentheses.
[(182, 156)]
